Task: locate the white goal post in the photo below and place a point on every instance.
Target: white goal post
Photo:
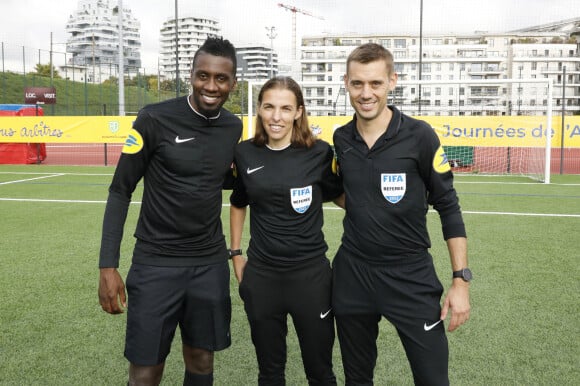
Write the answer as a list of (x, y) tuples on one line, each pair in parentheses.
[(487, 126)]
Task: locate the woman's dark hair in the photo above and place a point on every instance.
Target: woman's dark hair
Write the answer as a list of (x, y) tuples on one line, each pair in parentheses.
[(301, 134)]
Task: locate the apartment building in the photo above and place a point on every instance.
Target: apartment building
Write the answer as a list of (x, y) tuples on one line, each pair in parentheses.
[(192, 31), (94, 39), (256, 63), (461, 74)]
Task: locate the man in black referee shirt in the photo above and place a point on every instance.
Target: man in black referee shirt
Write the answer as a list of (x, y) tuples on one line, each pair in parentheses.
[(393, 167), (183, 149)]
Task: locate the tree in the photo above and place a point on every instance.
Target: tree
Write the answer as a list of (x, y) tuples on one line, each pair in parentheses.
[(169, 85), (239, 95), (44, 70), (113, 80)]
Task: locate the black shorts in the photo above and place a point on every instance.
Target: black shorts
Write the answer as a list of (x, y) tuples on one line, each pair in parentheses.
[(160, 298)]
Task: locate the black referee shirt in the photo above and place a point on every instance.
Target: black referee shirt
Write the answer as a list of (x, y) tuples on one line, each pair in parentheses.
[(285, 190), (183, 158), (389, 189)]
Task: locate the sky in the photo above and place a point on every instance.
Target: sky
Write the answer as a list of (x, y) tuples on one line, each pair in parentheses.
[(29, 23)]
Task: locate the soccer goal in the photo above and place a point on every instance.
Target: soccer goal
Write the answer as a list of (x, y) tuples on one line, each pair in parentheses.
[(486, 126), (494, 126)]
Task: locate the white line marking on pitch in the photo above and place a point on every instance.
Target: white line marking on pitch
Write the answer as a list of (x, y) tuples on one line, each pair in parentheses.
[(325, 207), (31, 179)]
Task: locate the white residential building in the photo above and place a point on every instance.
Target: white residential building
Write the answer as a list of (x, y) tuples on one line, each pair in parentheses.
[(191, 33), (94, 38), (256, 63), (544, 52)]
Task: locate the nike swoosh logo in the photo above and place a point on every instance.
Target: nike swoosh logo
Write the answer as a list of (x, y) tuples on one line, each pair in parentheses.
[(431, 326), (180, 140), (325, 314), (250, 171)]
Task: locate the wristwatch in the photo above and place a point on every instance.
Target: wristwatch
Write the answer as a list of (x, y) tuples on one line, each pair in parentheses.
[(234, 252), (464, 273)]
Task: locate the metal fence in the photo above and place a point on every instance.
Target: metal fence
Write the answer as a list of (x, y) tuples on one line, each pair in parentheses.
[(81, 90)]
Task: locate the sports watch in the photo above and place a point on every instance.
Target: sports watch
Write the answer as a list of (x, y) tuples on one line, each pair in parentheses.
[(464, 274), (234, 252)]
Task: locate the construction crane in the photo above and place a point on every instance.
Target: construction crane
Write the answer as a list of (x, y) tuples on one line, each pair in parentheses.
[(294, 11)]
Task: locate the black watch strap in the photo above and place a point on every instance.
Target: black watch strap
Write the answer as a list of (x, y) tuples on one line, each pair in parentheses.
[(464, 274), (234, 252)]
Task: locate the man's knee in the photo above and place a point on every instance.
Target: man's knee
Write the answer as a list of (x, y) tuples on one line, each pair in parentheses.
[(197, 360), (145, 375)]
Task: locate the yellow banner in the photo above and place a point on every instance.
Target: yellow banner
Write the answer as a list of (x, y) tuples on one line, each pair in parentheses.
[(488, 131), (77, 129)]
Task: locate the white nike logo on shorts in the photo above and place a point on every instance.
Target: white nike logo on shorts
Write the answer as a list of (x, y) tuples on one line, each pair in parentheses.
[(250, 171), (431, 326), (325, 314), (180, 140)]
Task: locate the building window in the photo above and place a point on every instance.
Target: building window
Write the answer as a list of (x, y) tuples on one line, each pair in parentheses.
[(385, 43), (400, 43), (330, 91)]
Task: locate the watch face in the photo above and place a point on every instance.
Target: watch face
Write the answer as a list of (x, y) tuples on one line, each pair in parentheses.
[(467, 276)]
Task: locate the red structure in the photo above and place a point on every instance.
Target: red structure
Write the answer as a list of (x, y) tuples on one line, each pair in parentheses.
[(21, 153)]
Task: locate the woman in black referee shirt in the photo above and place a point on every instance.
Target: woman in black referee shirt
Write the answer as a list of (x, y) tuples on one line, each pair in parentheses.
[(285, 174)]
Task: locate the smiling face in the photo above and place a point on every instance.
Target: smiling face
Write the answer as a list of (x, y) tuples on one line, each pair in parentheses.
[(278, 111), (368, 85), (212, 80)]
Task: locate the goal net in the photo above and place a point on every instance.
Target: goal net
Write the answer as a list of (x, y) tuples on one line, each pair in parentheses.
[(486, 126)]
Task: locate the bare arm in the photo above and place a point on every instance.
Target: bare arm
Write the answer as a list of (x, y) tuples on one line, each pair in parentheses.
[(340, 201), (457, 298), (112, 291), (237, 218)]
